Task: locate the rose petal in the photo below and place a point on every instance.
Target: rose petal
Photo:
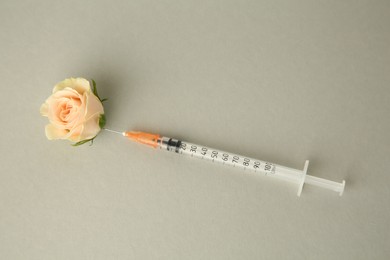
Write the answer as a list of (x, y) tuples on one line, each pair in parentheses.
[(67, 92), (81, 85), (59, 101), (91, 128), (93, 106), (44, 110), (53, 132), (75, 134), (94, 109)]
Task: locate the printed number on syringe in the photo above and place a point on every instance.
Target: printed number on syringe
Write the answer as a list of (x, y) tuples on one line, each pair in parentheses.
[(225, 158)]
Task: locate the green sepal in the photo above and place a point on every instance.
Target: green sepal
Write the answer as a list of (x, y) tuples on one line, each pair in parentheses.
[(95, 92), (94, 89), (102, 121), (83, 142)]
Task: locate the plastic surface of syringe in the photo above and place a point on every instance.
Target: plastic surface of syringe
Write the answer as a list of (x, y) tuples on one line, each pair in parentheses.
[(299, 177)]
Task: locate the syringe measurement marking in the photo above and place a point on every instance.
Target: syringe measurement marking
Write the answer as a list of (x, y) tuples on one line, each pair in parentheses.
[(236, 160), (203, 152)]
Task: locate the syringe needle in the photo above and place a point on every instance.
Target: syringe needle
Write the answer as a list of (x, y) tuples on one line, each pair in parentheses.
[(113, 131)]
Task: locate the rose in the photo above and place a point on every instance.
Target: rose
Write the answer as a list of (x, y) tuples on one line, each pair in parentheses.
[(74, 110)]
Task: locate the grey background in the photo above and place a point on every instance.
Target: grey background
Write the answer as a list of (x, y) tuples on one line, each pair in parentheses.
[(282, 81)]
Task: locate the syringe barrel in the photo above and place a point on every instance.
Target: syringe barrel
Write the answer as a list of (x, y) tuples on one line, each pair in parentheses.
[(215, 155), (266, 168)]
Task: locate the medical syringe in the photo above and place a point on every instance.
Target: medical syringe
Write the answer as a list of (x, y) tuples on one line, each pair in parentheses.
[(299, 177)]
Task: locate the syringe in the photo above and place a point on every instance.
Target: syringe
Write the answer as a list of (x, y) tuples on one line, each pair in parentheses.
[(299, 177)]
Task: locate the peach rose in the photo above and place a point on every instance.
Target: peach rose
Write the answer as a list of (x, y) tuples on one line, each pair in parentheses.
[(74, 111)]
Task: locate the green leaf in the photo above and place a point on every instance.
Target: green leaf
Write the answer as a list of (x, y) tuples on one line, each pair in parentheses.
[(83, 142), (104, 99), (102, 121)]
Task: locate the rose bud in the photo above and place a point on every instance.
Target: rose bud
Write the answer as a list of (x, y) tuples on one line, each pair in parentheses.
[(74, 110)]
